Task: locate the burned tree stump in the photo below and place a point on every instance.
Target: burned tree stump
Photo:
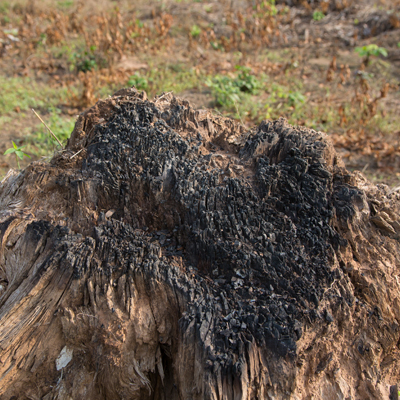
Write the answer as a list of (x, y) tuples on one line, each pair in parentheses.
[(169, 253)]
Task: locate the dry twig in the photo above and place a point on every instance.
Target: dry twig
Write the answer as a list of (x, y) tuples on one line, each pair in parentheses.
[(44, 123)]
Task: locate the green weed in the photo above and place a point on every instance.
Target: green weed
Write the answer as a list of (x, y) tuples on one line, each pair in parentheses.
[(195, 31), (19, 154), (245, 81), (87, 60), (138, 81), (66, 51), (283, 101), (227, 91), (369, 51), (217, 46), (318, 15), (295, 98)]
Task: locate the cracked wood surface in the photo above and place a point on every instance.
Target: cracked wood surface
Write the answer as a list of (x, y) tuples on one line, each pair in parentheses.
[(169, 253)]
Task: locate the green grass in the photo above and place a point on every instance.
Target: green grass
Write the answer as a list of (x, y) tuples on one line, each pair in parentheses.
[(65, 4), (4, 7), (24, 93), (40, 142), (173, 77), (382, 71), (277, 56), (387, 125)]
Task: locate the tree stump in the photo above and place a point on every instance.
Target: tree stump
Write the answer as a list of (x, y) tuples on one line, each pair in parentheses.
[(169, 253)]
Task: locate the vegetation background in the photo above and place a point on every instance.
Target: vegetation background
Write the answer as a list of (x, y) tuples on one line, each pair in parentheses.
[(332, 66)]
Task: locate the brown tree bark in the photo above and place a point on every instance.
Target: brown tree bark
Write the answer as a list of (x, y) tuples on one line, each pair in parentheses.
[(169, 253)]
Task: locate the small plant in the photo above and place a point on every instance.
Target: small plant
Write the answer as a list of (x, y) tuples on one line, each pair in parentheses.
[(364, 75), (138, 81), (318, 15), (370, 50), (195, 31), (86, 63), (217, 46), (269, 8), (42, 39), (225, 90), (296, 98), (86, 60), (19, 154), (245, 81)]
